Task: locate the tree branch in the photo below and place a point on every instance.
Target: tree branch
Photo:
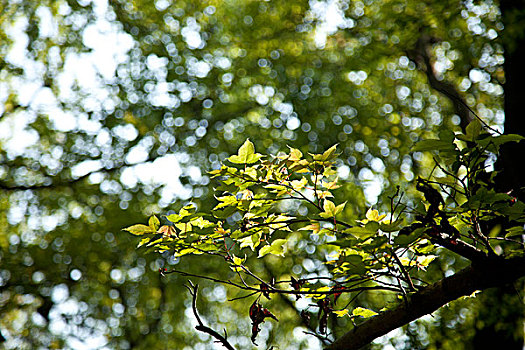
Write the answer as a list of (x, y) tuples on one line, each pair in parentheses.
[(421, 56), (291, 305), (65, 183), (477, 276), (193, 289), (454, 245)]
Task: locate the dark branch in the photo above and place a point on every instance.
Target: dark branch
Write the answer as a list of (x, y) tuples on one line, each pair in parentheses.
[(194, 289), (478, 276), (66, 183), (291, 305), (421, 56), (453, 244), (273, 290)]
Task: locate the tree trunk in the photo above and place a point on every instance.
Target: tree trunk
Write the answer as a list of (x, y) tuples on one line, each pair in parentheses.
[(509, 162), (500, 318)]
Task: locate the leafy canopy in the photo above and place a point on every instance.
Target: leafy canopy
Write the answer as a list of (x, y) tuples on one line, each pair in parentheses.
[(268, 206)]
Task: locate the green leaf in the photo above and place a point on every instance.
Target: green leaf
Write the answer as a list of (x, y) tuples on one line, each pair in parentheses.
[(362, 312), (341, 313), (501, 139), (246, 154), (364, 232), (295, 155), (498, 140), (395, 226), (424, 261), (154, 222), (473, 130), (447, 135), (329, 209), (139, 229), (433, 145), (514, 231), (405, 240), (329, 154), (354, 264), (276, 248)]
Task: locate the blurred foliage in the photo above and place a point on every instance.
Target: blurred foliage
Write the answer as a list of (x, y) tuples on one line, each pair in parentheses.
[(96, 95)]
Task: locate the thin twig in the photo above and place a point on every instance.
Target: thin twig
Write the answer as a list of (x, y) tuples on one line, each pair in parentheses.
[(408, 280), (183, 273), (243, 296), (507, 240), (194, 289)]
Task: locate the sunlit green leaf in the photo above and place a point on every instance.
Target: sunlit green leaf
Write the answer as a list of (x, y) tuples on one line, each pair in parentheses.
[(140, 229), (246, 154), (154, 222), (329, 209), (364, 232), (341, 313), (276, 248), (362, 312)]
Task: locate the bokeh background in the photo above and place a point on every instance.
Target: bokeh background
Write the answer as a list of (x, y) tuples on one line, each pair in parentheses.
[(113, 110)]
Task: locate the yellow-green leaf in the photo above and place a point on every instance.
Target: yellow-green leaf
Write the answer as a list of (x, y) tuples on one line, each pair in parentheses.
[(314, 227), (341, 313), (246, 154), (373, 215), (329, 209), (295, 154), (329, 154), (424, 261), (250, 241), (365, 313), (237, 260), (299, 184), (154, 222), (143, 241), (139, 229), (184, 227), (332, 185), (339, 208), (514, 231), (276, 248)]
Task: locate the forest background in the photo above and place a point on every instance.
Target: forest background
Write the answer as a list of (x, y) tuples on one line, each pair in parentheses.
[(114, 111)]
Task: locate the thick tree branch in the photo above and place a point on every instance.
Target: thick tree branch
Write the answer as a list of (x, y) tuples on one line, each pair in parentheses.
[(478, 276)]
